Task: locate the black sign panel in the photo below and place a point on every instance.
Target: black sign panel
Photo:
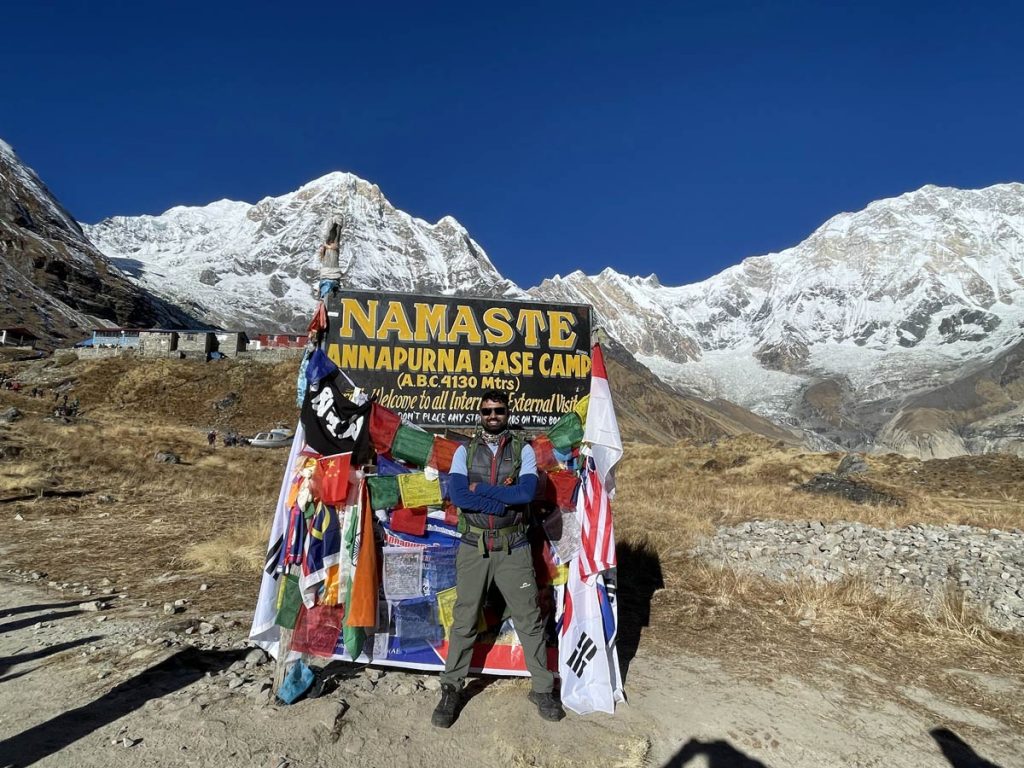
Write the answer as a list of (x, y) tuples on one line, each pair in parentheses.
[(429, 357)]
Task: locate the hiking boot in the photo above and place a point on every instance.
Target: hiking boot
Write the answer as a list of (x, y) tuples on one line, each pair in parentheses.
[(549, 707), (448, 707)]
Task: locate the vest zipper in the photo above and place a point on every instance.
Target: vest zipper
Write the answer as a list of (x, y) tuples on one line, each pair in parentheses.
[(495, 459)]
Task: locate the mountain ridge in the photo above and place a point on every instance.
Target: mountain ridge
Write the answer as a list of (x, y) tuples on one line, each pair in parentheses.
[(874, 305), (53, 280)]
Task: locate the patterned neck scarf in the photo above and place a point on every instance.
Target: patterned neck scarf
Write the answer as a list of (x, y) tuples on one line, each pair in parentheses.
[(492, 439)]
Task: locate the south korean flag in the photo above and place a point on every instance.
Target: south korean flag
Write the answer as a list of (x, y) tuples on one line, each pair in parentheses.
[(588, 661)]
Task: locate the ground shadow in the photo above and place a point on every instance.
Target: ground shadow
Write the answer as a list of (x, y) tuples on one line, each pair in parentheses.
[(11, 626), (8, 612), (6, 662), (639, 576), (958, 752), (475, 686), (176, 672), (718, 754)]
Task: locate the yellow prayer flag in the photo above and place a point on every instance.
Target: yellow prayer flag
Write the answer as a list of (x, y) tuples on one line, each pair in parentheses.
[(581, 409), (418, 491)]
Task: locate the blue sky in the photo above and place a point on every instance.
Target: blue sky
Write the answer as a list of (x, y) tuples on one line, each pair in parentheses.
[(674, 138)]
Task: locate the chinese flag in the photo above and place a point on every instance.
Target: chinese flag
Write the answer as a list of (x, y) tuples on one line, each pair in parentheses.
[(332, 478)]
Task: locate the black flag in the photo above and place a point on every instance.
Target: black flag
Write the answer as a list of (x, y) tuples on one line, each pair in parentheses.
[(334, 424)]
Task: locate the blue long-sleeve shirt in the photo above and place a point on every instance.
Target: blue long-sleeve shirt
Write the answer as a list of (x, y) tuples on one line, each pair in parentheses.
[(487, 498)]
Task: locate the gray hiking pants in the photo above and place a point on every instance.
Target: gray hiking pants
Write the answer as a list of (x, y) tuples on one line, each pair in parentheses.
[(513, 573)]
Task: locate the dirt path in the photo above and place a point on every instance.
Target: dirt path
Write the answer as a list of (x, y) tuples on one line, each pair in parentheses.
[(123, 687)]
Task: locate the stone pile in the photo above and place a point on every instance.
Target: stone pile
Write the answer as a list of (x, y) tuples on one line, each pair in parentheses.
[(923, 560)]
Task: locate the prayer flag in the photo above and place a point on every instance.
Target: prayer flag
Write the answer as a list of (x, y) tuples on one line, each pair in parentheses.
[(418, 490), (412, 521), (319, 367), (383, 492), (317, 630), (289, 602), (383, 426), (412, 445), (387, 466), (442, 453), (545, 453), (560, 488), (567, 432), (319, 321)]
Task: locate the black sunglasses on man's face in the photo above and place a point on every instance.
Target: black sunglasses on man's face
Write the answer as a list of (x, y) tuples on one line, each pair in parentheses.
[(501, 410)]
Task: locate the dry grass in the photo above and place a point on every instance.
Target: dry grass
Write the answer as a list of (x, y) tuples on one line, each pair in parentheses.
[(159, 529), (668, 498), (21, 476), (241, 548)]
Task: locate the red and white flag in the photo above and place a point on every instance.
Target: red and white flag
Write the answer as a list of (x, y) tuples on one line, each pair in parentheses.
[(603, 448), (601, 432), (597, 529)]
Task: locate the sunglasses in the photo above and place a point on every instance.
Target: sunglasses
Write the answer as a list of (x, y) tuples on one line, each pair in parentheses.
[(501, 410)]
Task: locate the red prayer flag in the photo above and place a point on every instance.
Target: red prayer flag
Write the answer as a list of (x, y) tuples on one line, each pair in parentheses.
[(412, 521), (560, 488), (451, 514), (331, 478), (319, 321), (441, 454), (383, 426), (545, 453), (318, 629)]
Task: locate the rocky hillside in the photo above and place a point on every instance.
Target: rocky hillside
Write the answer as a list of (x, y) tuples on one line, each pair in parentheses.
[(53, 281)]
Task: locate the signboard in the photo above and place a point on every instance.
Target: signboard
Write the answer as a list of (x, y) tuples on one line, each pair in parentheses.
[(429, 357)]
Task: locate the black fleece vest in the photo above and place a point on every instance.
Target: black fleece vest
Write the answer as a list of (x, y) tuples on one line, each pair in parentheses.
[(493, 469)]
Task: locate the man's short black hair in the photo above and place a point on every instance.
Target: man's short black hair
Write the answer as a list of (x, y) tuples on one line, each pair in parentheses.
[(495, 396)]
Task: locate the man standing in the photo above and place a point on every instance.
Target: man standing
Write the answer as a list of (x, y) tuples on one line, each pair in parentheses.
[(492, 482)]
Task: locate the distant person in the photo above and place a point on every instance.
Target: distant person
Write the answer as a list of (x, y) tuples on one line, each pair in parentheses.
[(211, 437)]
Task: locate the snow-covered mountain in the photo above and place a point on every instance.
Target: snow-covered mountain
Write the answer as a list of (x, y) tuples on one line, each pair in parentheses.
[(53, 281), (902, 297), (254, 265)]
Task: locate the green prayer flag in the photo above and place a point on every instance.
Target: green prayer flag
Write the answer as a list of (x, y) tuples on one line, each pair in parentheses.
[(567, 432), (290, 602), (412, 445), (383, 492)]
